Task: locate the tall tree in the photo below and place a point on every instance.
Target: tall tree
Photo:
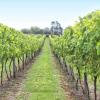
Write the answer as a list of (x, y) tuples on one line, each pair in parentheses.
[(56, 28)]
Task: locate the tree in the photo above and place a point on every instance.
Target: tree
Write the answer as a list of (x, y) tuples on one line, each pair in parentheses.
[(32, 30), (46, 31), (26, 31), (36, 30), (56, 28)]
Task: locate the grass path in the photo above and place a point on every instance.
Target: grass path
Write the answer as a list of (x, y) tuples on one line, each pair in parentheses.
[(42, 80)]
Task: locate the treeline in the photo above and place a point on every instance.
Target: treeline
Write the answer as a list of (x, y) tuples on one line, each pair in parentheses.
[(79, 51), (33, 30), (55, 29)]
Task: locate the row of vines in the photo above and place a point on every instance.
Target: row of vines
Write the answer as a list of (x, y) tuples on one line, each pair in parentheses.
[(16, 51), (79, 49)]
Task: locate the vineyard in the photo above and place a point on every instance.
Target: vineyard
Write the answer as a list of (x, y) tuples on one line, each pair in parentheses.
[(79, 50), (76, 52), (16, 50)]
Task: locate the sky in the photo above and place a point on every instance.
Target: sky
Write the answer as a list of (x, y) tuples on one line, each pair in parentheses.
[(26, 13)]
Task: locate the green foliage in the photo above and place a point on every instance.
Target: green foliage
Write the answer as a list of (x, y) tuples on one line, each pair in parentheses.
[(80, 44), (15, 43)]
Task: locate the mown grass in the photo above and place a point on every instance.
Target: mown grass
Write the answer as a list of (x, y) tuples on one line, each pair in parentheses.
[(42, 80)]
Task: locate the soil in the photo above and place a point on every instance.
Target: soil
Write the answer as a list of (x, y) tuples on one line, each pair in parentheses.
[(68, 85), (11, 89)]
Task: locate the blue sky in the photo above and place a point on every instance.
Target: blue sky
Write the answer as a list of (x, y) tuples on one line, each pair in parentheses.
[(25, 13)]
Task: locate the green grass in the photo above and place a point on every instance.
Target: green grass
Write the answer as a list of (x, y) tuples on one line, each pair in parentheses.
[(42, 80)]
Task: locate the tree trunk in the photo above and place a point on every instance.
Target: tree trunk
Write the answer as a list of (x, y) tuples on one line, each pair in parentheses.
[(14, 68), (6, 69), (86, 86), (10, 68), (77, 84), (26, 59), (23, 62), (95, 87), (65, 65), (79, 74), (2, 72), (19, 65), (72, 73)]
